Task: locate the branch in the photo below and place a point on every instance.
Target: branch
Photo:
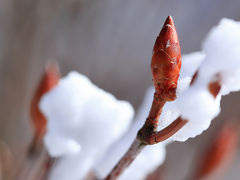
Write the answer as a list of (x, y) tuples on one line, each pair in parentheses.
[(138, 145), (165, 66), (167, 132), (126, 160)]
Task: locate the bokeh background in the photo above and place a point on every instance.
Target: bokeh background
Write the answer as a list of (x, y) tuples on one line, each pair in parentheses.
[(111, 42)]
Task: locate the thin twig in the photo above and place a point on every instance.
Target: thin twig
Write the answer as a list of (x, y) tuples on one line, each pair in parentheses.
[(127, 159), (138, 145)]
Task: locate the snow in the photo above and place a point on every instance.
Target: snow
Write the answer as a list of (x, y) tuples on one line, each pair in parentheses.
[(83, 121), (223, 51)]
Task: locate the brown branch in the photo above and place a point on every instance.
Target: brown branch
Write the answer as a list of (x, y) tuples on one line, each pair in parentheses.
[(138, 145), (167, 132), (127, 159), (148, 134), (165, 66)]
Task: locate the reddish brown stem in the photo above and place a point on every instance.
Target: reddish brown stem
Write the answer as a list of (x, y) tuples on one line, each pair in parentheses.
[(148, 133), (126, 160), (167, 132), (151, 123), (138, 145)]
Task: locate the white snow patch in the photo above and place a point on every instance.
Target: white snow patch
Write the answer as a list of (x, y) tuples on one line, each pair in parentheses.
[(83, 121)]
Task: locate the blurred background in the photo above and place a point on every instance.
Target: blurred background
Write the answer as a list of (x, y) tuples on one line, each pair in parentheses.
[(111, 42)]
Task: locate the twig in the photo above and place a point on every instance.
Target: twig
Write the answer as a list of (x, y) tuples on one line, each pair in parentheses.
[(138, 145), (165, 66), (127, 159)]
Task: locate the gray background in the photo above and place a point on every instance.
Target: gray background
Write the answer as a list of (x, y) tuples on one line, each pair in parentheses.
[(111, 42)]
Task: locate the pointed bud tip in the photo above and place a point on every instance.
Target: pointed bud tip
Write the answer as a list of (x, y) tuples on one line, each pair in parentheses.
[(169, 21), (52, 65), (52, 73)]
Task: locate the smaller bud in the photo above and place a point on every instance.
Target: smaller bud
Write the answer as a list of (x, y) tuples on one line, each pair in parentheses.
[(220, 152), (49, 80), (166, 61)]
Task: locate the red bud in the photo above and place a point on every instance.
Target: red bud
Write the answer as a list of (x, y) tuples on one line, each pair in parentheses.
[(166, 61), (49, 80)]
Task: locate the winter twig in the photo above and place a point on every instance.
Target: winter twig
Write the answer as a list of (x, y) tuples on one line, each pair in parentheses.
[(165, 66)]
